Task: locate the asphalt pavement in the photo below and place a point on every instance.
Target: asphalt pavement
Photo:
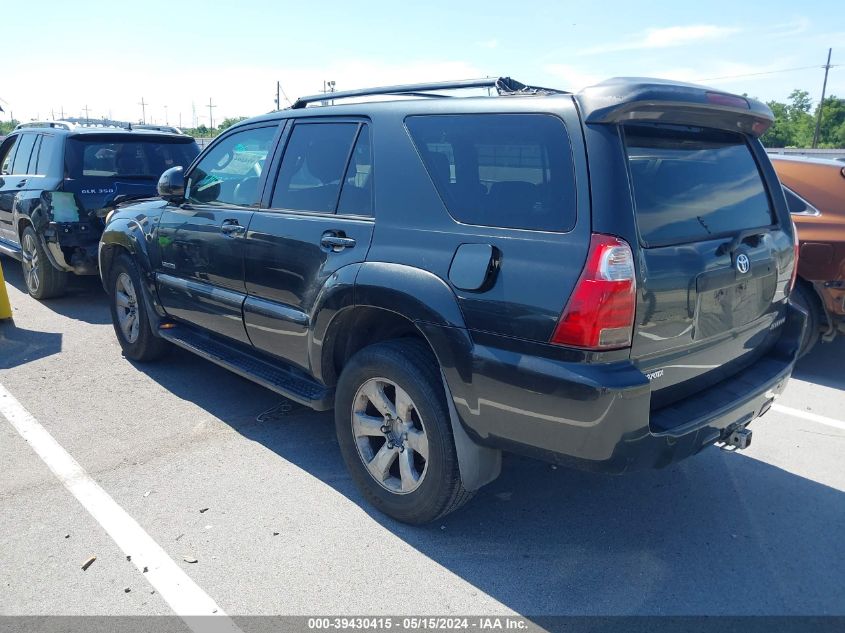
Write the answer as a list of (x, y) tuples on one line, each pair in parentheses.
[(218, 470)]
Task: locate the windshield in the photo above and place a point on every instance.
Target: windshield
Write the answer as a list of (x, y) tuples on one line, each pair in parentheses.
[(135, 158)]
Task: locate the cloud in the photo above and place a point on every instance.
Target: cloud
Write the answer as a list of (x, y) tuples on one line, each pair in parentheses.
[(666, 37), (570, 77), (490, 44)]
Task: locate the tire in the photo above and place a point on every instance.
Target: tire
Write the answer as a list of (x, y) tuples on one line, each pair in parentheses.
[(129, 313), (42, 280), (804, 297), (429, 486)]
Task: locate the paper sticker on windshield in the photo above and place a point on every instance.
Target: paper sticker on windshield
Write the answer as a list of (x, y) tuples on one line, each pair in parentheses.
[(242, 163), (208, 182)]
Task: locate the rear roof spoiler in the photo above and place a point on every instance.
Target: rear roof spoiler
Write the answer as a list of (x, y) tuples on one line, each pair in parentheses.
[(632, 99)]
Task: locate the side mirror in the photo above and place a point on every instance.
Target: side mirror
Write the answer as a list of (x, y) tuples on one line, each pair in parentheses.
[(171, 185)]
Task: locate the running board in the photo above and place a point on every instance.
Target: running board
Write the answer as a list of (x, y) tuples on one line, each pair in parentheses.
[(276, 376), (10, 249)]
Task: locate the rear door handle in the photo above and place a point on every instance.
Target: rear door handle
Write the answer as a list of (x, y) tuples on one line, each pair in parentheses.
[(336, 242), (232, 228), (22, 183)]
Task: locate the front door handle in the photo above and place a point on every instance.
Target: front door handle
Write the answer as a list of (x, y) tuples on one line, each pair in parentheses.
[(336, 242), (232, 228)]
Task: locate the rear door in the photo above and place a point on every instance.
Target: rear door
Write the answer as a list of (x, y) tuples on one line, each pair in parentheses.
[(714, 258), (104, 165), (15, 178), (320, 219), (202, 241), (8, 186)]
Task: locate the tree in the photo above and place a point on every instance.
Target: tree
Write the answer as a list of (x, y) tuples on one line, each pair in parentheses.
[(7, 126), (229, 122)]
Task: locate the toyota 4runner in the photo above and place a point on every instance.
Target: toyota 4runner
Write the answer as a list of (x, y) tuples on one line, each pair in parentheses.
[(598, 279)]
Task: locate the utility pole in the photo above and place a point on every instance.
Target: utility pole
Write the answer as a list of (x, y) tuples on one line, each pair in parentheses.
[(210, 117), (143, 105), (166, 122), (63, 111), (85, 110), (821, 103)]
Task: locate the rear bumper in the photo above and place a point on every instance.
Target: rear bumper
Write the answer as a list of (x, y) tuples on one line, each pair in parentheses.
[(598, 417)]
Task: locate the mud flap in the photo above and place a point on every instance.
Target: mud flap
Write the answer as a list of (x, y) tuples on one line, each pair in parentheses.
[(479, 465)]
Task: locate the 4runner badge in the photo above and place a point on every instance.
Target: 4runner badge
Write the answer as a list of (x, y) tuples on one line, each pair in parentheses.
[(742, 263)]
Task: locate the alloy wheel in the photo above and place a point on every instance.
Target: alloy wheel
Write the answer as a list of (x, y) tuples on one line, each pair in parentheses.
[(126, 304), (390, 435)]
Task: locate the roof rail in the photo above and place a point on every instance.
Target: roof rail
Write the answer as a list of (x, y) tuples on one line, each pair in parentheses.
[(159, 128), (65, 125), (98, 123), (503, 86)]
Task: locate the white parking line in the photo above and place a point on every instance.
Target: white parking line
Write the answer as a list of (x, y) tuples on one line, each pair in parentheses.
[(184, 596), (798, 413)]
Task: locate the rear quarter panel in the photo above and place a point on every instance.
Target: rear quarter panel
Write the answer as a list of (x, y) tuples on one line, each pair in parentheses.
[(822, 237)]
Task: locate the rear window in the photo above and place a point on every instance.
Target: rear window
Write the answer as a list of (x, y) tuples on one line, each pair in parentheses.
[(504, 170), (692, 184), (133, 158)]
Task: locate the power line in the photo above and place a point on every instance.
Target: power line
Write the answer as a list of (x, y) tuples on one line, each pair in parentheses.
[(210, 118), (821, 103), (143, 105), (768, 72)]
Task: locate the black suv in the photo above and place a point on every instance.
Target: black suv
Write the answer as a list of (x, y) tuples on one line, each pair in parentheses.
[(597, 279), (59, 178)]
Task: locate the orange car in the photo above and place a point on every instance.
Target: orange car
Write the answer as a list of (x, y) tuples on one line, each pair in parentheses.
[(815, 192)]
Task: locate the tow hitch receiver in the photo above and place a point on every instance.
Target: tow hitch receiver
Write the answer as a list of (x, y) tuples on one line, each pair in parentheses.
[(739, 438)]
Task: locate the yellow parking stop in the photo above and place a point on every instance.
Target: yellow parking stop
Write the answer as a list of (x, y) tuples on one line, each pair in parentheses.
[(5, 306)]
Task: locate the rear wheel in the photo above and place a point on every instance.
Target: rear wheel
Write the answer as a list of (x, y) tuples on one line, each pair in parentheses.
[(129, 313), (42, 280), (804, 297), (395, 434)]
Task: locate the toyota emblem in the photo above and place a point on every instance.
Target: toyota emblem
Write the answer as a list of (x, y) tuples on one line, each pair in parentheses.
[(742, 263)]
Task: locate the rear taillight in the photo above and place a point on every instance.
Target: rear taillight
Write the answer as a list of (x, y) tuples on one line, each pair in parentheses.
[(796, 249), (600, 312)]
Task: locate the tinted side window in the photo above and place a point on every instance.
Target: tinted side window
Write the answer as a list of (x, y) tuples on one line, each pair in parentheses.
[(796, 204), (690, 184), (506, 170), (46, 153), (356, 197), (7, 154), (23, 153), (313, 166), (231, 171)]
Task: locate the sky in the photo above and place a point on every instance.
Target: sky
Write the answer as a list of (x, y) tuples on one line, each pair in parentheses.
[(178, 55)]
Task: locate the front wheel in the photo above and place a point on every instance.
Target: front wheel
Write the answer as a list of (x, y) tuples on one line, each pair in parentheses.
[(42, 280), (129, 313), (395, 434)]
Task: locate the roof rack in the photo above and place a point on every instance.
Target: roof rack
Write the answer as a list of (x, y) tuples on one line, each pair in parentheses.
[(503, 86), (159, 128), (65, 125)]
